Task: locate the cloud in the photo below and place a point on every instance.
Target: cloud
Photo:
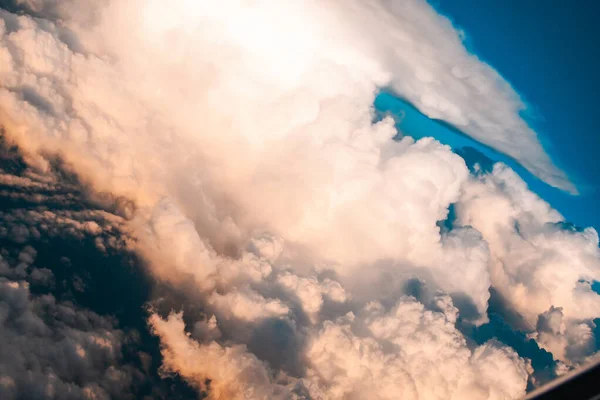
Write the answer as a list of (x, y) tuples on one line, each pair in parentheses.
[(411, 352), (570, 341), (55, 350), (240, 151), (49, 329), (226, 372), (540, 265), (432, 70), (407, 351), (52, 348)]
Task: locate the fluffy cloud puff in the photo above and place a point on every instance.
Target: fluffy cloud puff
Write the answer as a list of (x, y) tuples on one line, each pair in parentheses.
[(229, 372), (542, 267), (411, 352), (406, 352), (265, 191)]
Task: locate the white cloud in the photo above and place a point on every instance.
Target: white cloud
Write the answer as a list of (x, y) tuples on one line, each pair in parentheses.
[(407, 351), (234, 373), (310, 291), (571, 340), (432, 69), (241, 147), (410, 352), (542, 269)]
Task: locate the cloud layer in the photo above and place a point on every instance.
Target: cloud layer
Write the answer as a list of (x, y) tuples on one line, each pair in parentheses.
[(251, 176)]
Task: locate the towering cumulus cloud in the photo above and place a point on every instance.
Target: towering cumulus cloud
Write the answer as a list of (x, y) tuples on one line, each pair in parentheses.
[(267, 193)]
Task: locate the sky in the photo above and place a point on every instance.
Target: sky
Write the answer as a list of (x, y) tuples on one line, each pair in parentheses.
[(274, 199), (549, 52)]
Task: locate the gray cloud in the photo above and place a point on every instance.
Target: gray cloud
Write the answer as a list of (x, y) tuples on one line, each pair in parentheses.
[(54, 350)]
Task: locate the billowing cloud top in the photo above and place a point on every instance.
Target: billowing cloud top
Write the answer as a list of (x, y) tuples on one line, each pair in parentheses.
[(243, 133)]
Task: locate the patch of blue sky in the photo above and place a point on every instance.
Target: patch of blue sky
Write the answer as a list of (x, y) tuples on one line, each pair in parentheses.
[(411, 122)]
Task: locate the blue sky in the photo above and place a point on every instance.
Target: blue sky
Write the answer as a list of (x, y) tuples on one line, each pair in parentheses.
[(550, 52)]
